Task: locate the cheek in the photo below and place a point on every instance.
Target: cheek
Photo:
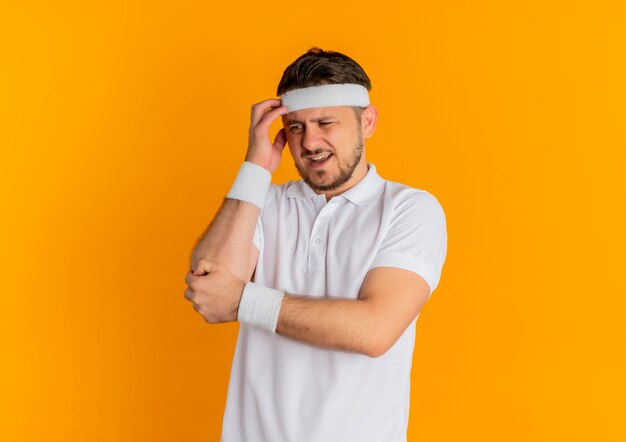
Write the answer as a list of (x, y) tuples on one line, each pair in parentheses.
[(340, 143)]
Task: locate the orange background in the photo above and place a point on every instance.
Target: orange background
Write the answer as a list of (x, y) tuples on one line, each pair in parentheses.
[(123, 125)]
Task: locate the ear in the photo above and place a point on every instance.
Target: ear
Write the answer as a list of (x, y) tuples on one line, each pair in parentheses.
[(369, 116)]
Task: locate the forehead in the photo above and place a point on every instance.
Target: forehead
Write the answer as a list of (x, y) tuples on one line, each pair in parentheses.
[(317, 113)]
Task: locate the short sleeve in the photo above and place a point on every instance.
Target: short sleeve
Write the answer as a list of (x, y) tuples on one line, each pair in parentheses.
[(416, 239)]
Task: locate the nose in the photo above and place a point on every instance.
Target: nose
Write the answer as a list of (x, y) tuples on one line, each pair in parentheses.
[(311, 139)]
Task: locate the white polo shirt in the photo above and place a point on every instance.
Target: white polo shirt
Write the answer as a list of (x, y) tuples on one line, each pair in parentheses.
[(283, 390)]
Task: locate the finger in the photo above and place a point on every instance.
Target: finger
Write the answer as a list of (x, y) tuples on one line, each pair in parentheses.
[(189, 278), (280, 140), (204, 266), (259, 109), (189, 295), (196, 307), (268, 118)]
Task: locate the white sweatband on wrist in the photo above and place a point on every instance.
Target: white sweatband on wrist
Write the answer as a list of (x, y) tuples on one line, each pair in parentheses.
[(251, 184), (260, 306), (326, 95)]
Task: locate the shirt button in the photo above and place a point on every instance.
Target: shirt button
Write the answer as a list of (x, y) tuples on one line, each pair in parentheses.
[(317, 241)]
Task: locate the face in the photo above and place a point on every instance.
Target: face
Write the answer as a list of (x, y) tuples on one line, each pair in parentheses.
[(326, 144)]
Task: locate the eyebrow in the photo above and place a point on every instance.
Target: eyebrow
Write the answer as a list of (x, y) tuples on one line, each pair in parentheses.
[(314, 120)]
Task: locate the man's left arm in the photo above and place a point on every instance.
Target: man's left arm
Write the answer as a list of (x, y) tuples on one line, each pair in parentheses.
[(389, 300)]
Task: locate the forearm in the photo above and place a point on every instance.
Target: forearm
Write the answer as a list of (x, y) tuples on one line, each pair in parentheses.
[(343, 324), (228, 239)]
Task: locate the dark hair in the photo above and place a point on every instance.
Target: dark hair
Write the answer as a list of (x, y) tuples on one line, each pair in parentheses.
[(317, 67)]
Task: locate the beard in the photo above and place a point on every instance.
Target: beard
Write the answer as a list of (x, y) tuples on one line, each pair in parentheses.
[(345, 173)]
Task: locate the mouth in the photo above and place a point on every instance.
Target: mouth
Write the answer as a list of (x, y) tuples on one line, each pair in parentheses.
[(319, 160)]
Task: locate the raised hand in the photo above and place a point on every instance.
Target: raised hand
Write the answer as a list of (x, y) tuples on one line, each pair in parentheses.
[(261, 150)]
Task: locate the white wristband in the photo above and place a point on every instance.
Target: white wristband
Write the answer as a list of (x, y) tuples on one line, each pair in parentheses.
[(260, 306), (251, 184)]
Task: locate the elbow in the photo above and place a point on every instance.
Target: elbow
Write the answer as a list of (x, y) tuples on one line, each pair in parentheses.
[(380, 339), (376, 353), (377, 347)]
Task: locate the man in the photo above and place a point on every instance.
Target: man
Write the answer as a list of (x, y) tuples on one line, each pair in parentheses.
[(326, 275)]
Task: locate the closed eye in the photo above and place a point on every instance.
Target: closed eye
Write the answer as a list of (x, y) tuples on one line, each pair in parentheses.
[(299, 128)]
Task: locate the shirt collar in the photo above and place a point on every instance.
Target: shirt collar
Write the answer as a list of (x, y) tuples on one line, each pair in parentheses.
[(367, 191)]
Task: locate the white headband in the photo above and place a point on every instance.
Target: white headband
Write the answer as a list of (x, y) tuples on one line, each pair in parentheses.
[(326, 95)]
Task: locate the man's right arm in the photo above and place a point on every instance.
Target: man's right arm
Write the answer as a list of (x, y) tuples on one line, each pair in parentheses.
[(228, 239)]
